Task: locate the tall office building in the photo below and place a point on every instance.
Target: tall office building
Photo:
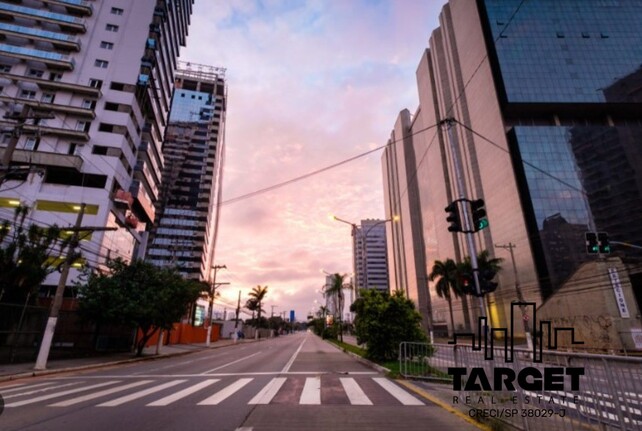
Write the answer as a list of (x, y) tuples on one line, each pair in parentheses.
[(546, 100), (187, 211), (99, 75), (370, 255)]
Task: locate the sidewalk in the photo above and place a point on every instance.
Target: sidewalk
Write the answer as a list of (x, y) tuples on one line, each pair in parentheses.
[(25, 369)]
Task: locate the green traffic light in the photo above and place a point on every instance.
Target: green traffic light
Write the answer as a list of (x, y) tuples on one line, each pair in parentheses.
[(483, 223)]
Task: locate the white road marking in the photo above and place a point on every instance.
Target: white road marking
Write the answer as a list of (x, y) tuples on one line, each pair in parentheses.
[(182, 394), (269, 391), (99, 394), (291, 361), (59, 394), (225, 393), (256, 373), (231, 363), (140, 394), (402, 396), (311, 394), (22, 387), (35, 391), (355, 394)]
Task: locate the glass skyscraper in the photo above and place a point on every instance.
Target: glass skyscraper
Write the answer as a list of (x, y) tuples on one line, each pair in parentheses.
[(546, 96)]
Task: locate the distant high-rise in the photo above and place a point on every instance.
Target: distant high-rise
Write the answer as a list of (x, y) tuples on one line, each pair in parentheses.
[(370, 255), (103, 72), (546, 100), (187, 211)]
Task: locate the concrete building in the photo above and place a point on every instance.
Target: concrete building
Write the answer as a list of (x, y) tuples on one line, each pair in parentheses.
[(546, 102), (187, 212), (370, 255), (103, 73)]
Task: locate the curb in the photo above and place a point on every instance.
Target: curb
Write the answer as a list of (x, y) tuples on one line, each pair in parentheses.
[(442, 404), (10, 377), (359, 359)]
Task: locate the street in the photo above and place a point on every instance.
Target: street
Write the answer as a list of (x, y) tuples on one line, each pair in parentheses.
[(294, 382)]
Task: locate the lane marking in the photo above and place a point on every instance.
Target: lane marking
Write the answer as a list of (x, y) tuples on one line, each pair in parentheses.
[(311, 394), (99, 394), (60, 394), (291, 361), (255, 373), (140, 394), (402, 396), (231, 363), (354, 392), (225, 393), (184, 393), (22, 387), (269, 391), (50, 388)]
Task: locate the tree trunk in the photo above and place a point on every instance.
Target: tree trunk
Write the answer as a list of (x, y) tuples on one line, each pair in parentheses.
[(147, 334), (452, 319)]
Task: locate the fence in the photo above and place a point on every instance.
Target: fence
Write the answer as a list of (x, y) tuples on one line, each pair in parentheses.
[(609, 396)]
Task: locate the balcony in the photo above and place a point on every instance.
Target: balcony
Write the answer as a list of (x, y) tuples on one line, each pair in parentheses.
[(40, 158), (59, 40), (66, 21), (45, 84), (51, 59), (42, 106), (49, 130), (80, 6)]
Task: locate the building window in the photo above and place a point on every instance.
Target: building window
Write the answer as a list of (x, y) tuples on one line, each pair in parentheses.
[(5, 68), (28, 94), (72, 149), (101, 63), (55, 76), (111, 27), (82, 126), (109, 106), (31, 144), (117, 11), (106, 45), (36, 73), (96, 83), (48, 97)]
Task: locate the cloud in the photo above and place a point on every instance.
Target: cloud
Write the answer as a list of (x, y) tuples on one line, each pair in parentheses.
[(310, 83)]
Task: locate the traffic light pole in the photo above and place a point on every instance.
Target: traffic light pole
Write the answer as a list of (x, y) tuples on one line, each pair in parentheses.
[(461, 193)]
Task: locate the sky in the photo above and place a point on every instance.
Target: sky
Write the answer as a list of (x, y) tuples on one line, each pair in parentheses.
[(310, 83)]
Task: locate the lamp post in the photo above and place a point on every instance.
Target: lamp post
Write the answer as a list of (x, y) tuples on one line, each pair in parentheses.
[(212, 293)]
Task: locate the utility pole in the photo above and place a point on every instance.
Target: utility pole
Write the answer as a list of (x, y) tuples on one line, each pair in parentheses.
[(45, 345), (238, 311), (520, 297), (461, 193), (21, 118), (212, 293)]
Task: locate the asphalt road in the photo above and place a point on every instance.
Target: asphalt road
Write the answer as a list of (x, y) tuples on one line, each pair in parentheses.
[(295, 382)]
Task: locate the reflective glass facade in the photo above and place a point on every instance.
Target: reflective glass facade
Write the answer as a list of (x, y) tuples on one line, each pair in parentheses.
[(565, 51)]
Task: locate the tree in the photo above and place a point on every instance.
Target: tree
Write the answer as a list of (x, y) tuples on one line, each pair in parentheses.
[(383, 321), (335, 289), (258, 294), (139, 294), (252, 305), (446, 273), (26, 256), (484, 263)]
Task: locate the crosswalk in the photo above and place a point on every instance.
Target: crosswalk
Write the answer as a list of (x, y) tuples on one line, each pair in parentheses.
[(262, 390)]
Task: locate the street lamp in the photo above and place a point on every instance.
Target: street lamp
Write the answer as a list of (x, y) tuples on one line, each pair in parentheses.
[(212, 293)]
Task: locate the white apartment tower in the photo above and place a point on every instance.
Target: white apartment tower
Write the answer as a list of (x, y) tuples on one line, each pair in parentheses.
[(101, 73), (370, 255)]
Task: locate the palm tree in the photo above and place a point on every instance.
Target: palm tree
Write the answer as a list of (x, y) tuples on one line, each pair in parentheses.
[(337, 284), (447, 273), (258, 294), (252, 305)]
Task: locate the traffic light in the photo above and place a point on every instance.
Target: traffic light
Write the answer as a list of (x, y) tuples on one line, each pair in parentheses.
[(467, 284), (479, 215), (592, 245), (486, 283), (603, 242), (453, 217)]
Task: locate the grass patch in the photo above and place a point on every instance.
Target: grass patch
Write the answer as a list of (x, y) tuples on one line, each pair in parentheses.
[(393, 366)]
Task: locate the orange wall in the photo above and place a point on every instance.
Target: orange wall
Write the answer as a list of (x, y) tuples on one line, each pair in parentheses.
[(183, 333)]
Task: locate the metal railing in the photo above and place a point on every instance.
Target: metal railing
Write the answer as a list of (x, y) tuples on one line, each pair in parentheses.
[(609, 396)]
